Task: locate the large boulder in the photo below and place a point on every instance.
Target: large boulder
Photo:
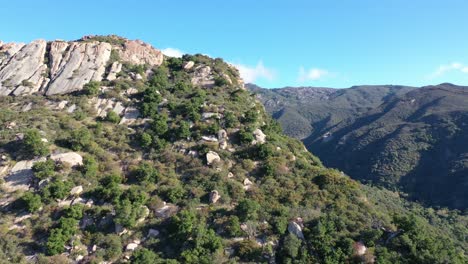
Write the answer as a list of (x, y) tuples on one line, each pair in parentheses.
[(214, 196), (260, 137), (77, 190), (20, 176), (71, 158), (212, 157), (295, 229)]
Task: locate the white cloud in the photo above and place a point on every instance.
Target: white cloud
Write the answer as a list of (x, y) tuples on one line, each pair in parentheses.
[(171, 52), (443, 69), (251, 74), (312, 74)]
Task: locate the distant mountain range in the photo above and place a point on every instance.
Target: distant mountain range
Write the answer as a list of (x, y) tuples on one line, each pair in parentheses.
[(406, 138)]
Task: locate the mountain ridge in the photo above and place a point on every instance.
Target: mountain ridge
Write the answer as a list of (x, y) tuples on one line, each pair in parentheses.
[(365, 144)]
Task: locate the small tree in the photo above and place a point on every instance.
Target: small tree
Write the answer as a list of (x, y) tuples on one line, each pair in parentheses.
[(33, 143)]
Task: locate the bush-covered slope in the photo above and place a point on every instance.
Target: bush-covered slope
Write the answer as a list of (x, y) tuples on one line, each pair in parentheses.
[(177, 163), (416, 142)]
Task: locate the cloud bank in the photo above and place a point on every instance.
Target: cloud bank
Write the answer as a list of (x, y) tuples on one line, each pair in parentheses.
[(251, 74), (172, 52), (312, 74), (445, 68)]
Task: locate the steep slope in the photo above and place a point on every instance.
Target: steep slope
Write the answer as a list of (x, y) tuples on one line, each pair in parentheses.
[(175, 162), (416, 142), (399, 137)]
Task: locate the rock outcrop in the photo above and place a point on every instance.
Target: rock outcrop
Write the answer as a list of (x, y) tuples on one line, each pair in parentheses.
[(138, 52), (77, 64), (71, 158), (60, 67), (22, 70)]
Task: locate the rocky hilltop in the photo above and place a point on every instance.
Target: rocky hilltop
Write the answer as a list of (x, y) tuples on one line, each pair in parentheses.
[(60, 67)]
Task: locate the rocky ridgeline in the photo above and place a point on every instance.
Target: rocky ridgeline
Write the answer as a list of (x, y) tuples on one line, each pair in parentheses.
[(60, 67)]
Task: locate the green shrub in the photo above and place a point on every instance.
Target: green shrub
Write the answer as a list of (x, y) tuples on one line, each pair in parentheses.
[(112, 117), (32, 201), (33, 144), (44, 169), (247, 209), (56, 190), (80, 139), (145, 172), (92, 88), (90, 166), (144, 256)]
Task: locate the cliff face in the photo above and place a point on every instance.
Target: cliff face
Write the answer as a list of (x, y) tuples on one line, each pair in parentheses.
[(60, 67)]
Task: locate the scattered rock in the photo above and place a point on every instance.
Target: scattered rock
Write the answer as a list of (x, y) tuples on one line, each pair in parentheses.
[(130, 116), (146, 213), (118, 108), (166, 211), (71, 158), (153, 233), (212, 157), (214, 196), (71, 109), (116, 67), (77, 190), (62, 104), (27, 107), (247, 184), (222, 134), (209, 138), (223, 144), (120, 230), (206, 116), (11, 125), (230, 175), (188, 65), (359, 248), (260, 137), (131, 246)]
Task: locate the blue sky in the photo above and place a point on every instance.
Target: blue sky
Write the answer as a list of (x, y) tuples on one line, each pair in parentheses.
[(330, 43)]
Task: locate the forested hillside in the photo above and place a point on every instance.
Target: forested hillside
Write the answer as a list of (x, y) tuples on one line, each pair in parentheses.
[(172, 160)]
